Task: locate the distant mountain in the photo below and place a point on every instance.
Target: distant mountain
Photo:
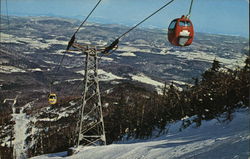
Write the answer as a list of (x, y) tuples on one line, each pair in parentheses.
[(32, 48)]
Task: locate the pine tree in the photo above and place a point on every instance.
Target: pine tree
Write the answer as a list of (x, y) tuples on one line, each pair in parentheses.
[(247, 64), (210, 73), (215, 65)]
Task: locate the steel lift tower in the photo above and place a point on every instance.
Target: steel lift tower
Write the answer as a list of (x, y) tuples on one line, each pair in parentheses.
[(91, 125)]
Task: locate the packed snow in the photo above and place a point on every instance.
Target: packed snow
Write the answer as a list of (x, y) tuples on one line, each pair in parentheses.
[(214, 139), (21, 121)]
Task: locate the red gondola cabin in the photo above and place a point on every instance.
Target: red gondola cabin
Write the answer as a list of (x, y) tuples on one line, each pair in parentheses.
[(181, 32)]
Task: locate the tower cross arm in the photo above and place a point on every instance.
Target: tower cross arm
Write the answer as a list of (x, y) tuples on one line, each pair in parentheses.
[(85, 48)]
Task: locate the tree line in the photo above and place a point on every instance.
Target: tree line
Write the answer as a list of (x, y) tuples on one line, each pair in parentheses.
[(135, 112)]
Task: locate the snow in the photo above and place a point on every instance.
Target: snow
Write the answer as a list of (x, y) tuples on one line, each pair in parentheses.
[(73, 80), (10, 69), (86, 42), (107, 59), (144, 79), (68, 53), (49, 62), (55, 41), (164, 51), (180, 82), (20, 128), (31, 41), (127, 54), (22, 123), (60, 52), (35, 69), (103, 75), (124, 48), (107, 76), (81, 72), (61, 114), (237, 60), (213, 140), (4, 61), (6, 37)]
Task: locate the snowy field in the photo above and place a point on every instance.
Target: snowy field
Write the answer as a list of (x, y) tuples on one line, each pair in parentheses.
[(232, 62), (213, 140)]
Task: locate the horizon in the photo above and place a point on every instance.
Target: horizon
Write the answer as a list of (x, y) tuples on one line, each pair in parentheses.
[(124, 25), (226, 17)]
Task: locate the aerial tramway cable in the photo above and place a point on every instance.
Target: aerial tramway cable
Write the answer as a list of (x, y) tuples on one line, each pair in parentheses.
[(190, 9), (7, 14), (52, 96), (8, 24), (145, 19), (181, 30), (73, 36), (114, 43), (113, 46)]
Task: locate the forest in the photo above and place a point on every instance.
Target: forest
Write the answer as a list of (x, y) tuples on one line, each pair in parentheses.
[(134, 112), (139, 113)]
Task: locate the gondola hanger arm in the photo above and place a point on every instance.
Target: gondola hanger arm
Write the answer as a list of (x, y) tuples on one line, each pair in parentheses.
[(190, 9), (73, 36)]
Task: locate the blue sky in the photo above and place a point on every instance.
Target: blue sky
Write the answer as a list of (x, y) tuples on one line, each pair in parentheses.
[(210, 16)]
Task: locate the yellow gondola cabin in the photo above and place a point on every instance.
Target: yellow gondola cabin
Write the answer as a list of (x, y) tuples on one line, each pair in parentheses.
[(52, 98)]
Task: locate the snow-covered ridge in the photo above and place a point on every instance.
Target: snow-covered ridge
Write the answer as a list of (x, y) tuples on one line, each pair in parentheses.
[(213, 139)]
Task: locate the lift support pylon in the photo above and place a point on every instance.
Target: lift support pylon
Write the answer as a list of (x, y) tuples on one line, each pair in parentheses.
[(91, 124)]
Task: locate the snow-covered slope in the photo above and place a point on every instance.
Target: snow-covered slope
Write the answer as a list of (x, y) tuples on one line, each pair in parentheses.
[(214, 139)]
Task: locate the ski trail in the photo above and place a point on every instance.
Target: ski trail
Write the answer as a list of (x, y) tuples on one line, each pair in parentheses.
[(20, 128), (212, 140)]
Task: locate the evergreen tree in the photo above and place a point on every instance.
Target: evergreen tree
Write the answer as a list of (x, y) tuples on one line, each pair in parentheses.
[(210, 73), (215, 65), (247, 64)]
